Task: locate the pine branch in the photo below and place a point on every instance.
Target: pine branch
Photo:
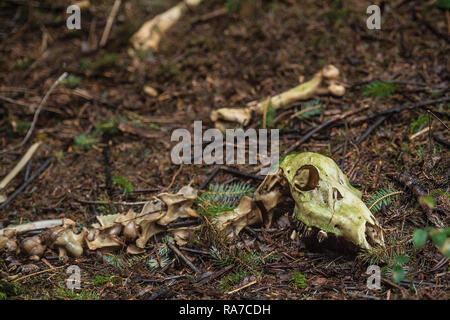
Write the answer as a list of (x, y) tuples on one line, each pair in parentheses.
[(222, 198), (383, 197)]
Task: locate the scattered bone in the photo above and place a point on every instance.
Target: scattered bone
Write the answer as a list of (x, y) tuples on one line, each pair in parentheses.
[(34, 247), (324, 82), (232, 222), (322, 194), (19, 166), (151, 32), (8, 241), (37, 225), (150, 91)]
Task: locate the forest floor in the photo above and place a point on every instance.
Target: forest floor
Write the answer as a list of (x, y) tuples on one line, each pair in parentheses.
[(207, 62)]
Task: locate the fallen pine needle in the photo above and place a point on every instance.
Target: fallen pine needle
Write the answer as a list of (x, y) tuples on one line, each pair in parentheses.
[(243, 287), (39, 272)]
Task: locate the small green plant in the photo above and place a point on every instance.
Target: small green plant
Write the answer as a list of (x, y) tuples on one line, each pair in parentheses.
[(232, 280), (102, 280), (85, 141), (126, 186), (163, 255), (381, 198), (18, 127), (338, 14), (418, 124), (102, 206), (221, 260), (113, 260), (443, 4), (154, 126), (233, 6), (379, 89), (9, 289), (222, 197), (439, 237), (108, 127), (394, 246), (106, 60), (309, 109), (71, 81), (298, 281), (251, 258), (64, 293), (23, 64), (397, 268)]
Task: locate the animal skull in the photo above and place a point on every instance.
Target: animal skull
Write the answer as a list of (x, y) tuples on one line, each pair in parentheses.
[(323, 198)]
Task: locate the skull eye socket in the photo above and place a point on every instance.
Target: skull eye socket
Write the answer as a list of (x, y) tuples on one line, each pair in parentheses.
[(306, 178), (337, 195)]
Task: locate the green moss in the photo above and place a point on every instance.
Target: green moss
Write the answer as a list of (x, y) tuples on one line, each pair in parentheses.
[(102, 280), (85, 141), (9, 289), (126, 186), (64, 293), (232, 280), (298, 281)]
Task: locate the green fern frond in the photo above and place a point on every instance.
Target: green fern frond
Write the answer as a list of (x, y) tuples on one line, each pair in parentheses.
[(383, 197), (309, 109), (132, 261), (164, 258), (113, 260), (221, 260), (221, 198), (379, 89)]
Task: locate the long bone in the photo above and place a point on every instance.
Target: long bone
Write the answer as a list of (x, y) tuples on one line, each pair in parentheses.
[(324, 82)]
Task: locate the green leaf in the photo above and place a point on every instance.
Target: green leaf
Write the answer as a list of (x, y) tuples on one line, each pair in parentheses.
[(419, 238), (71, 81), (443, 4), (398, 274), (233, 5), (445, 249), (429, 201), (439, 238), (85, 141), (447, 231), (402, 259), (108, 126)]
